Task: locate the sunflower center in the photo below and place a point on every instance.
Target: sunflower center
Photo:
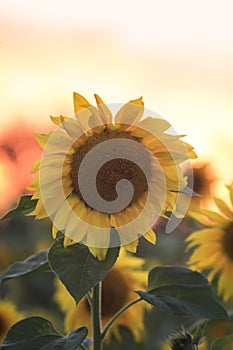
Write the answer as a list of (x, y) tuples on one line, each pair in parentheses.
[(227, 241), (114, 293), (112, 171)]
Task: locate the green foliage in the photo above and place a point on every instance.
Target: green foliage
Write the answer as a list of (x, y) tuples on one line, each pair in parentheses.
[(78, 269), (37, 333), (25, 206), (20, 268), (182, 292)]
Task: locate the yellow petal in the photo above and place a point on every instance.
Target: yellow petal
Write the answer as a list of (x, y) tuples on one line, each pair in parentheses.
[(132, 247), (131, 112), (72, 128), (59, 142), (36, 166), (79, 102), (35, 183), (223, 207), (42, 139), (200, 218), (217, 218), (58, 120), (67, 241), (104, 111), (39, 211), (54, 231), (99, 253), (150, 236), (155, 126), (230, 189)]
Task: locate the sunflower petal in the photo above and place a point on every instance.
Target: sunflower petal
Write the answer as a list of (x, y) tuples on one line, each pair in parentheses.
[(99, 253), (230, 189), (58, 120), (150, 236), (79, 102), (132, 247), (104, 111), (223, 207), (36, 166), (131, 112)]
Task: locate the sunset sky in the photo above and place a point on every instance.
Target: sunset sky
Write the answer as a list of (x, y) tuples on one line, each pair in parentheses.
[(177, 54)]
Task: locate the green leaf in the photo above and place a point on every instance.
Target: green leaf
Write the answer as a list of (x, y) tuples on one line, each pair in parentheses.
[(222, 343), (25, 206), (182, 292), (21, 268), (78, 269), (37, 333), (125, 342)]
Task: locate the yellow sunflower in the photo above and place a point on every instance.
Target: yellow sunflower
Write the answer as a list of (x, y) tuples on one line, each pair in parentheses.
[(99, 177), (8, 316), (214, 245), (201, 174), (117, 290)]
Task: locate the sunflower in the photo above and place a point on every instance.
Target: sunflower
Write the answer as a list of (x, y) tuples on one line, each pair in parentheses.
[(99, 178), (117, 290), (201, 174), (8, 316), (214, 244)]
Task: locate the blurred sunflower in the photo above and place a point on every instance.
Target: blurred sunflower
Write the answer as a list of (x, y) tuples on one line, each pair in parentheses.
[(214, 244), (117, 290), (203, 179), (67, 147), (8, 316)]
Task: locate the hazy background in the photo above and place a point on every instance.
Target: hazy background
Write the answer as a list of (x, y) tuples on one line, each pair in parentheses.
[(177, 54)]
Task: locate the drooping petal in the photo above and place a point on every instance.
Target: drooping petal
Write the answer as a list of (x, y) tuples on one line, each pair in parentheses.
[(150, 236)]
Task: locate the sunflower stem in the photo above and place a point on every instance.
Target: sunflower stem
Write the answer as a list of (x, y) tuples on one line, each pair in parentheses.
[(118, 314), (96, 317)]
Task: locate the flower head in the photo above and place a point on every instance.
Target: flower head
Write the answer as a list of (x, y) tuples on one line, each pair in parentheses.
[(117, 290), (100, 178), (214, 244), (201, 173)]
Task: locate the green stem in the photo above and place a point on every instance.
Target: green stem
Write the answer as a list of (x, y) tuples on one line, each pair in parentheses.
[(82, 347), (123, 309), (96, 317)]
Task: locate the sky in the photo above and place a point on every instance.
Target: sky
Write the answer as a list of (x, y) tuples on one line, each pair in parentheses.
[(176, 54)]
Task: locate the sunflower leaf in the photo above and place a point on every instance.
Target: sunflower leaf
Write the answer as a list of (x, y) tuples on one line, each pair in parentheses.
[(182, 292), (25, 206), (21, 268), (37, 333), (78, 269)]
